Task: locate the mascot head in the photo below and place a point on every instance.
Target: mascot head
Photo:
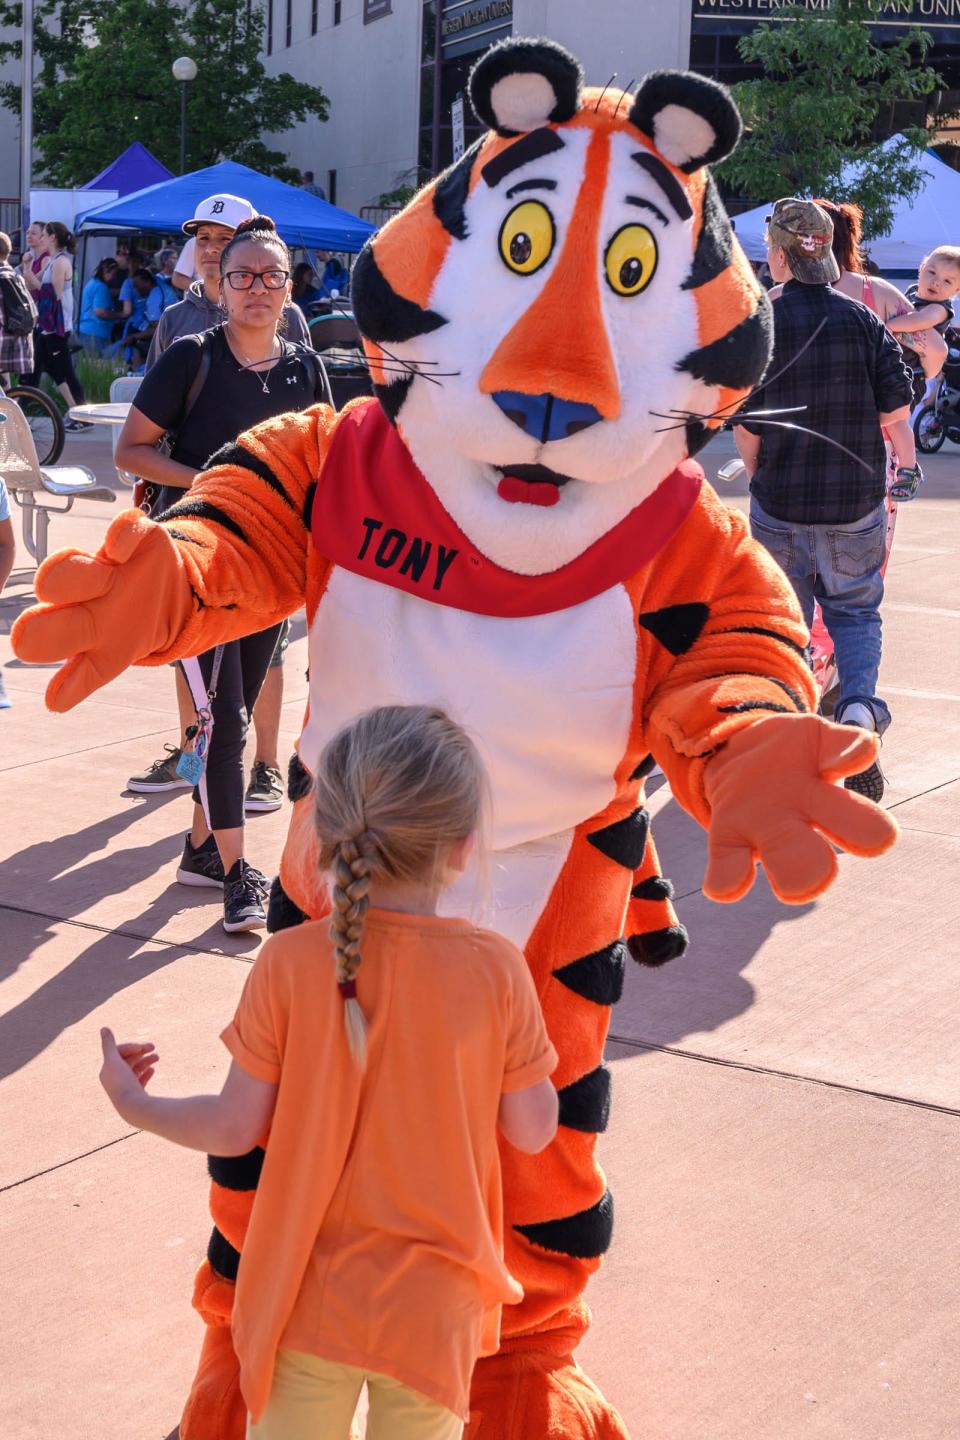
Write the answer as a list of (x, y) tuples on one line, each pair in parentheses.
[(536, 312)]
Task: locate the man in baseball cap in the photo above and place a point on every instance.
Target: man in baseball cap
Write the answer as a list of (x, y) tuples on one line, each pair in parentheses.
[(805, 234), (210, 228), (818, 475)]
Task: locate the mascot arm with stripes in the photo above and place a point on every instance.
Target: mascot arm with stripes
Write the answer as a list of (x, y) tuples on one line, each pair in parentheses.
[(514, 528)]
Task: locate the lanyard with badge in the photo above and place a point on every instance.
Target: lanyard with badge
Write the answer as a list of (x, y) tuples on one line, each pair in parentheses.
[(192, 764)]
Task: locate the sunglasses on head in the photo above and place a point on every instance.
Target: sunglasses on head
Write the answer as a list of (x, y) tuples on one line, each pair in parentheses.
[(243, 279)]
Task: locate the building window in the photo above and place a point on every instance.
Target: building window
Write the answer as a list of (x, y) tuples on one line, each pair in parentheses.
[(332, 186), (269, 27), (289, 25), (376, 9), (336, 12), (314, 16)]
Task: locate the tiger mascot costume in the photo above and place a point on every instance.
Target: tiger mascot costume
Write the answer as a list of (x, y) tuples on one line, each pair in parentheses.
[(514, 529)]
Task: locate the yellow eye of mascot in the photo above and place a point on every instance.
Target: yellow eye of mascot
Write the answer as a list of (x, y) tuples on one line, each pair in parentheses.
[(516, 531)]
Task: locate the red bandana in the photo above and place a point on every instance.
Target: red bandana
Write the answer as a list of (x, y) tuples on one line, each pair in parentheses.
[(374, 513)]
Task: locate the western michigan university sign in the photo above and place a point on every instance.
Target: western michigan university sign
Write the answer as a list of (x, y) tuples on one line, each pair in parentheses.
[(887, 14)]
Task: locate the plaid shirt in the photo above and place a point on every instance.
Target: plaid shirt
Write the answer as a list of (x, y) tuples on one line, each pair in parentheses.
[(16, 351), (852, 371)]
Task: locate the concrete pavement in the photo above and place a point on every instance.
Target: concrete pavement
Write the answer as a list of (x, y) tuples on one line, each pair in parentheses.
[(783, 1147)]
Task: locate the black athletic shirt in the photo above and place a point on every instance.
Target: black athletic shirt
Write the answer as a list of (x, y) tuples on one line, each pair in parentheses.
[(231, 401)]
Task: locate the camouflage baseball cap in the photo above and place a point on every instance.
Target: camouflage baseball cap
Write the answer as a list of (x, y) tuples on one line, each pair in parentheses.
[(805, 231)]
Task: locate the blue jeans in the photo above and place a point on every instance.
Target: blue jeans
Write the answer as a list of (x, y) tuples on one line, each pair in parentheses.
[(839, 567)]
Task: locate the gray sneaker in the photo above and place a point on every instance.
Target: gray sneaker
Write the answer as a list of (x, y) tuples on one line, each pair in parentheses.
[(265, 791), (161, 775)]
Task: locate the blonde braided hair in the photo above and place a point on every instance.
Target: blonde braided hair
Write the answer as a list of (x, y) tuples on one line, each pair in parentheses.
[(394, 790)]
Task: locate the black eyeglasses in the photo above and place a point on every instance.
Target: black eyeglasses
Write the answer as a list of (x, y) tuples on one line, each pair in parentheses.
[(243, 279)]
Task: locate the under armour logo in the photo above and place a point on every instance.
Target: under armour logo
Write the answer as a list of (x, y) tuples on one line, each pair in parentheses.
[(291, 380), (217, 207)]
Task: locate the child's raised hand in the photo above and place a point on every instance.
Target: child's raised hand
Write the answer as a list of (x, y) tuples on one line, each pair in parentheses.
[(126, 1068)]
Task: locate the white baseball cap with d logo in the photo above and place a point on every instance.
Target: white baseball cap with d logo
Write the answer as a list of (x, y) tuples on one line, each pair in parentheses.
[(228, 210)]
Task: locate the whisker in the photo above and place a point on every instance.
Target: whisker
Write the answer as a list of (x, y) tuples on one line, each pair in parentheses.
[(767, 379), (604, 91), (623, 97)]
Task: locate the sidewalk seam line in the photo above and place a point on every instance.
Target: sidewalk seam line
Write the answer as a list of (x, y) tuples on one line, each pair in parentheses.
[(784, 1075), (64, 1163), (192, 949), (85, 749)]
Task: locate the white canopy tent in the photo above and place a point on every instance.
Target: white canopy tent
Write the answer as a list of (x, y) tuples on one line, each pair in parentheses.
[(919, 225)]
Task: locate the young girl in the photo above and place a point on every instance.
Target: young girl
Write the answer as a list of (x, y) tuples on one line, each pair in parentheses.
[(55, 320), (252, 375), (382, 1050)]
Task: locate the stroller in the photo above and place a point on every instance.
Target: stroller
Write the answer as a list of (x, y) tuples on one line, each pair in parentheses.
[(940, 421)]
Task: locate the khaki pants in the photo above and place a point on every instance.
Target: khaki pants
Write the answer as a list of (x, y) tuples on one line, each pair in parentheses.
[(314, 1399)]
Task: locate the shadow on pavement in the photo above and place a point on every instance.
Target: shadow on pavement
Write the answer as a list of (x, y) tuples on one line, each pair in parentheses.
[(706, 987), (40, 874)]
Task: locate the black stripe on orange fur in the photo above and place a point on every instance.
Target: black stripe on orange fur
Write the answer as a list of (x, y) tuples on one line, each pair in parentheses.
[(381, 314), (224, 1259), (676, 627), (236, 1172), (655, 887), (738, 359), (237, 454), (770, 634), (597, 977), (746, 705), (298, 779), (203, 510), (450, 196), (658, 946), (714, 250), (282, 913), (392, 396), (644, 768), (585, 1105), (585, 1236), (625, 840)]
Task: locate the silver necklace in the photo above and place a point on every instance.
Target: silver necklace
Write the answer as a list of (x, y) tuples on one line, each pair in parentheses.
[(249, 364)]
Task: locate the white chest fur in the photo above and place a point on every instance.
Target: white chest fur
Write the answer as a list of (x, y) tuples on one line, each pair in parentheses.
[(548, 699)]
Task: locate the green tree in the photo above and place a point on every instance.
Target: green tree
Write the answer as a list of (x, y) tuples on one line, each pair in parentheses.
[(103, 80), (827, 89)]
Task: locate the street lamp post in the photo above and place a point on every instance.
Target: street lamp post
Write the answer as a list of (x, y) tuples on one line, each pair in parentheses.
[(26, 120), (184, 70)]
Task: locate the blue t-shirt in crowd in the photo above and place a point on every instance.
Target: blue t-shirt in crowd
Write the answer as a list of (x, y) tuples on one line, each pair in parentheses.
[(154, 306), (128, 291), (96, 296)]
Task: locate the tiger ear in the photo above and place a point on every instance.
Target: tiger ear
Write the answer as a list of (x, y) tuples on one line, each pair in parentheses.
[(521, 85), (691, 120)]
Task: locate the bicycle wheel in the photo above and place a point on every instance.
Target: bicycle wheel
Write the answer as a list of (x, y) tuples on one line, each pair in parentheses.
[(929, 431), (44, 419)]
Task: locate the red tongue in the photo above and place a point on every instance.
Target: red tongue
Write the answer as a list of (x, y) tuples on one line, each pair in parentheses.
[(528, 492)]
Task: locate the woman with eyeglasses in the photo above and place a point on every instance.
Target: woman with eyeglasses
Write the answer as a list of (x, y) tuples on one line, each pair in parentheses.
[(202, 391)]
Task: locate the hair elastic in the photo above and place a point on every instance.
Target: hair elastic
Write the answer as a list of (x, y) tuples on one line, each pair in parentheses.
[(348, 989)]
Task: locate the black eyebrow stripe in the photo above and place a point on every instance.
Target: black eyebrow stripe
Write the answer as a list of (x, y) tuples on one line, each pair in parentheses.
[(529, 147), (668, 183), (530, 185), (648, 205)]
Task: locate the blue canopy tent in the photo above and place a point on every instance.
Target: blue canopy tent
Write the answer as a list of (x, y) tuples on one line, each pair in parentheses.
[(133, 170), (302, 219)]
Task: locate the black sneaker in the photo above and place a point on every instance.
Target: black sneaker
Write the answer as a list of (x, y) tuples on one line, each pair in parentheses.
[(202, 865), (869, 782), (75, 426), (265, 791), (243, 896), (161, 775)]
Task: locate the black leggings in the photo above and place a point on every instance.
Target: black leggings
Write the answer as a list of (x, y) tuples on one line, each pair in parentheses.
[(242, 672), (52, 357)]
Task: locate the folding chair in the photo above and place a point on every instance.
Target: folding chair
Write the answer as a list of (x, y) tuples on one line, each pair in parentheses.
[(123, 389), (27, 480)]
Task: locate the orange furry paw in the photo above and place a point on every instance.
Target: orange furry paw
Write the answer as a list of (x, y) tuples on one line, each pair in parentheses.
[(522, 1395)]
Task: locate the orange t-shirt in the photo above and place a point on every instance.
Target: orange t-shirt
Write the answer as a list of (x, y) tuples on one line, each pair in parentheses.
[(376, 1237)]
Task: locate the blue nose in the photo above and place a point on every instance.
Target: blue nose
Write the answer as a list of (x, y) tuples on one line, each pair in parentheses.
[(546, 417)]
